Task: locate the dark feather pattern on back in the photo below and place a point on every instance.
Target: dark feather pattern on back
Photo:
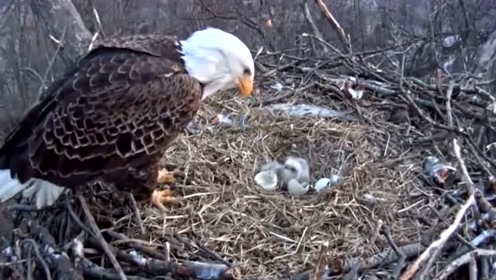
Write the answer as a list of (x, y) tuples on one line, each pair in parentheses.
[(117, 110)]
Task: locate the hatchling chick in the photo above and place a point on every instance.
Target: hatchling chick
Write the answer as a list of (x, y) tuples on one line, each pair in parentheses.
[(291, 169), (274, 166), (296, 168), (296, 176)]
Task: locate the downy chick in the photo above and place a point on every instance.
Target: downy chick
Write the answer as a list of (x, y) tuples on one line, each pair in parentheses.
[(296, 168), (292, 168), (296, 176)]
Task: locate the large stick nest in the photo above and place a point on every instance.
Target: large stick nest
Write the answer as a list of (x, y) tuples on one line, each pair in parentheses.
[(382, 203)]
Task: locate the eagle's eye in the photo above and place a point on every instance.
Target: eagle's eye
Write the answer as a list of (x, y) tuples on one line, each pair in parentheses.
[(247, 71)]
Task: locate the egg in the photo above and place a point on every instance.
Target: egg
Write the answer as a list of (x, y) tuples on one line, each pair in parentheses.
[(266, 179), (324, 183)]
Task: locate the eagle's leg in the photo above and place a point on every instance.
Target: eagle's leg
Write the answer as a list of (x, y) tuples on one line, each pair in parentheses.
[(141, 182), (167, 177), (160, 198)]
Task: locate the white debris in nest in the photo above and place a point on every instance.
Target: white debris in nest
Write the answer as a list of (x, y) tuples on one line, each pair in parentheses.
[(450, 41), (305, 110), (229, 120), (8, 251), (77, 248), (225, 120), (138, 258), (277, 86), (353, 93)]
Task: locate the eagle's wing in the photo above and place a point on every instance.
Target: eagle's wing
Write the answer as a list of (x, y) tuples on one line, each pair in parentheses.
[(116, 107)]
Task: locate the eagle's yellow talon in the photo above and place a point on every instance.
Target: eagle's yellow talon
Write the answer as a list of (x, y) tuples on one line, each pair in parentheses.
[(159, 198), (165, 177)]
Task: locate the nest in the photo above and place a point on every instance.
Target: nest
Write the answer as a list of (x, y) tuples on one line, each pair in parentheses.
[(376, 223)]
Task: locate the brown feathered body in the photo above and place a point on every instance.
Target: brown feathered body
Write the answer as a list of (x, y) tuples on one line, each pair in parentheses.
[(110, 117)]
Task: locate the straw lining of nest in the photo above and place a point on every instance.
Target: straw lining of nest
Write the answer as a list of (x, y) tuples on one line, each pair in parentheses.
[(271, 233)]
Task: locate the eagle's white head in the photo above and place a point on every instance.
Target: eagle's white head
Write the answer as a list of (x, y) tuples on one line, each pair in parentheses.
[(219, 60)]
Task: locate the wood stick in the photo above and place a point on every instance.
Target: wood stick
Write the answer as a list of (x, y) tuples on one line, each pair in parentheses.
[(106, 248)]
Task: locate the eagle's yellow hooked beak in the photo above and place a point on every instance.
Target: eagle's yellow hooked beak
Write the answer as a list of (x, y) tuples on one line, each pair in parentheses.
[(245, 86)]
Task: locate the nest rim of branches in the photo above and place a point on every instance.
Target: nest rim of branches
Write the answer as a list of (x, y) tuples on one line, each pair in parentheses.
[(379, 155)]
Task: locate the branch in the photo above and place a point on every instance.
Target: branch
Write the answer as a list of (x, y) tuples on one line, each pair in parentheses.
[(316, 30), (335, 24), (380, 259), (464, 259), (56, 15), (437, 245), (106, 248)]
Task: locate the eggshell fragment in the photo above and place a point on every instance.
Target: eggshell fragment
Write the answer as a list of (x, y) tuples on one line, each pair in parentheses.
[(297, 188), (267, 180)]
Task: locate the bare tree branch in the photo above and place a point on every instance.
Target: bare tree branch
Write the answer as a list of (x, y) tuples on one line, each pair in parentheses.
[(335, 24), (56, 15)]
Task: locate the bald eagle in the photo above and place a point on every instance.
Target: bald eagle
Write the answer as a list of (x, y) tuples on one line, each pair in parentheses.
[(113, 114)]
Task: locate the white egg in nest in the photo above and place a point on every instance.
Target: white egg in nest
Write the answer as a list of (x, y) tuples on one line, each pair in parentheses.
[(267, 180), (325, 183)]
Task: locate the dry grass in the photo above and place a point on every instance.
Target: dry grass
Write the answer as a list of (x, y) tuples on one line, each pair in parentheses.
[(275, 235), (272, 234)]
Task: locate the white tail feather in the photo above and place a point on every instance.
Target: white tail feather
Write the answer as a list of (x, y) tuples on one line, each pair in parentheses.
[(8, 186), (44, 193)]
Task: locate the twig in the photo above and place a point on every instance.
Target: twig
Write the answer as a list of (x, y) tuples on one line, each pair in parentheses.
[(51, 255), (94, 271), (466, 177), (376, 231), (97, 19), (316, 30), (321, 262), (78, 221), (472, 270), (464, 259), (428, 119), (106, 248), (437, 245), (334, 23), (145, 249), (137, 213), (383, 258), (41, 259), (449, 113), (59, 43), (401, 256), (208, 251), (192, 269)]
